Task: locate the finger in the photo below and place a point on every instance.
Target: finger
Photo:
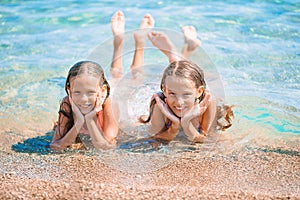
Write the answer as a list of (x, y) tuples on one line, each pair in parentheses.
[(98, 109), (71, 101), (150, 35), (99, 102), (158, 100), (207, 99), (159, 103), (153, 96), (69, 94), (70, 98), (75, 109)]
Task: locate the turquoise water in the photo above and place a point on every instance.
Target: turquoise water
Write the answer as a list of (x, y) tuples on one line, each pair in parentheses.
[(254, 45)]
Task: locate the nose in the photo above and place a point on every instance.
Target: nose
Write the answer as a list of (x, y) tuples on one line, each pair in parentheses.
[(84, 98), (180, 100)]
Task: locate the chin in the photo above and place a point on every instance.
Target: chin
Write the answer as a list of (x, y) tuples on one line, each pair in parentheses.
[(179, 114), (84, 112)]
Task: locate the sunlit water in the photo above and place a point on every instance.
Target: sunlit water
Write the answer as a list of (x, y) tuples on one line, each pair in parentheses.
[(252, 48)]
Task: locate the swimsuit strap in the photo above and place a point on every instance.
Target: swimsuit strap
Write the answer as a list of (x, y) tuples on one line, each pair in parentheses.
[(168, 124)]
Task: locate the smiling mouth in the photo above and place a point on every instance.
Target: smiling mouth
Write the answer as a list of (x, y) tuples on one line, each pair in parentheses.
[(179, 108), (179, 111), (85, 106)]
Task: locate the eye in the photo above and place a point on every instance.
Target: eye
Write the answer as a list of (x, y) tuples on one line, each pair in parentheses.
[(91, 93), (76, 92), (187, 94), (171, 93)]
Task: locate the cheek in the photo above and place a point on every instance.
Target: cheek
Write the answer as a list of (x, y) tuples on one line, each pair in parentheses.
[(75, 98), (169, 101), (93, 98), (191, 101)]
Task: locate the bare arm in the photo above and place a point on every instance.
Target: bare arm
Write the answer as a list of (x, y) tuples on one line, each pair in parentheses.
[(65, 141), (60, 142), (111, 128), (205, 112), (208, 116), (157, 122), (161, 109), (107, 138)]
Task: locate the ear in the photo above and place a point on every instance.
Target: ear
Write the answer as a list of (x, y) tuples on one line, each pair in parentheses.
[(103, 91), (199, 91), (68, 91), (163, 88)]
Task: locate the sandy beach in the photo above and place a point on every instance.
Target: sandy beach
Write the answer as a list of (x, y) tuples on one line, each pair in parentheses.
[(262, 173)]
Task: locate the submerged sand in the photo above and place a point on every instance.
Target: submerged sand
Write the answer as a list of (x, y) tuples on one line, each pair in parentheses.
[(245, 173)]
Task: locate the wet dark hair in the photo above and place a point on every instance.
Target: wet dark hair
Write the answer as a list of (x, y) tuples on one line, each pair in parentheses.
[(189, 70), (81, 67)]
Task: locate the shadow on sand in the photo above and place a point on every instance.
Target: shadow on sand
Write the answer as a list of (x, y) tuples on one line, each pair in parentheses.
[(39, 144)]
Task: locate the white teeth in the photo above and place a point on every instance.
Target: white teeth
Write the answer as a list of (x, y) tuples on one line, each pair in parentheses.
[(179, 108)]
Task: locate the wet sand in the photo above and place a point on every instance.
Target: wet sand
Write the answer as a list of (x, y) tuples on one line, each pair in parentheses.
[(241, 174)]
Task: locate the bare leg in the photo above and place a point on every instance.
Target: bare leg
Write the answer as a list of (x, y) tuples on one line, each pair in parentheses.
[(163, 43), (140, 39), (117, 26), (191, 42)]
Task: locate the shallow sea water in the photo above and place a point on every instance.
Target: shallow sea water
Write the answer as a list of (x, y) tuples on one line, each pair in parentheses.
[(250, 52)]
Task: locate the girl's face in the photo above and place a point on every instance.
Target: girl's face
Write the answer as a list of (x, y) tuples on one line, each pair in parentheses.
[(84, 91), (180, 94)]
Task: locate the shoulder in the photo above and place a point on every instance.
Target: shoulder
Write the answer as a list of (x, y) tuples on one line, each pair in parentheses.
[(159, 94), (208, 100), (107, 102), (107, 106), (65, 100)]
